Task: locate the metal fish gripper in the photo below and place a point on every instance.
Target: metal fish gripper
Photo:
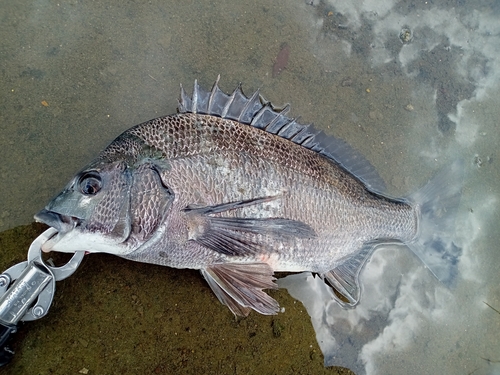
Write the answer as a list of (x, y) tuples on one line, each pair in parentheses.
[(27, 290)]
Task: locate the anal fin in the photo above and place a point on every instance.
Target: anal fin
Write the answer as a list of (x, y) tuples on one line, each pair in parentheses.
[(239, 287), (345, 277)]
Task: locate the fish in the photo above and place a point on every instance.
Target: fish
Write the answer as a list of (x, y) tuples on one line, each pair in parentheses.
[(232, 186)]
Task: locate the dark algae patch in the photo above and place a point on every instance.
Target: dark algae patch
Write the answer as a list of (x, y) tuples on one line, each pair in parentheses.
[(115, 316), (281, 59)]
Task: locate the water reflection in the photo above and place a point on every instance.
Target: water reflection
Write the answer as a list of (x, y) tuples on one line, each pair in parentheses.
[(407, 320)]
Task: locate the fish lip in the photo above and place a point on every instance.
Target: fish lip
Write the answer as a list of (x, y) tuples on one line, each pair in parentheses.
[(62, 223)]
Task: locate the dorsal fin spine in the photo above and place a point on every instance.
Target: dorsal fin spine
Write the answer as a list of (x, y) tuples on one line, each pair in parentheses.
[(259, 115), (213, 93), (194, 99), (280, 117), (231, 100), (183, 102), (247, 110)]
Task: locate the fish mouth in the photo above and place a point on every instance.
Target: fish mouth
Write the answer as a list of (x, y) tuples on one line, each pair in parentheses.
[(62, 223)]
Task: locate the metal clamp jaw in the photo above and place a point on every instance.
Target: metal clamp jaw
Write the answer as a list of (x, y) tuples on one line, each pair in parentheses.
[(27, 290)]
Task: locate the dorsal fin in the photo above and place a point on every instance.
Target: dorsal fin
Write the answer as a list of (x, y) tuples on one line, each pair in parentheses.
[(258, 112)]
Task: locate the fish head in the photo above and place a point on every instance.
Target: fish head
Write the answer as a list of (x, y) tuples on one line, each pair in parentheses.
[(92, 213), (116, 204)]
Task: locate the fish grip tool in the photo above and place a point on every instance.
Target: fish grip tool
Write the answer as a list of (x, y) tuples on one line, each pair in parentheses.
[(27, 290)]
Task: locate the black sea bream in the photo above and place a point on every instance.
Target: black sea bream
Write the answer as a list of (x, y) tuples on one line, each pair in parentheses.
[(233, 187)]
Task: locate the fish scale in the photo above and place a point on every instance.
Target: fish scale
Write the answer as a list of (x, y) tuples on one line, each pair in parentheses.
[(232, 186)]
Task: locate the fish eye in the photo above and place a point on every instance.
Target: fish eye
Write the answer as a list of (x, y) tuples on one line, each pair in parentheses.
[(90, 183)]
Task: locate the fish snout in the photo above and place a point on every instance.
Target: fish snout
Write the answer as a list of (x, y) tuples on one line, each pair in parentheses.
[(62, 223)]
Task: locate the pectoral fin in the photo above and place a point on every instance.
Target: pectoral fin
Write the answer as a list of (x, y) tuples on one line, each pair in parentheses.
[(239, 287), (233, 235)]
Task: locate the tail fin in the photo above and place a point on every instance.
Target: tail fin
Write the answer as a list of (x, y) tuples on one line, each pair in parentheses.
[(438, 202)]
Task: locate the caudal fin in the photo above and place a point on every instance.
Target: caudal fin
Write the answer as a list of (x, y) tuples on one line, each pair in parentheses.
[(438, 202)]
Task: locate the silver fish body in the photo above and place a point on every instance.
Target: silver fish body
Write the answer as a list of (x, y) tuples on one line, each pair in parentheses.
[(238, 190)]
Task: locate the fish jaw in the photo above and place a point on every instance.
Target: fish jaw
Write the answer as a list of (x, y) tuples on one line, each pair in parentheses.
[(71, 238), (62, 223), (75, 240)]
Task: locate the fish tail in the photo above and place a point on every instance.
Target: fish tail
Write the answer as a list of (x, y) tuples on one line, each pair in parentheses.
[(438, 201)]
